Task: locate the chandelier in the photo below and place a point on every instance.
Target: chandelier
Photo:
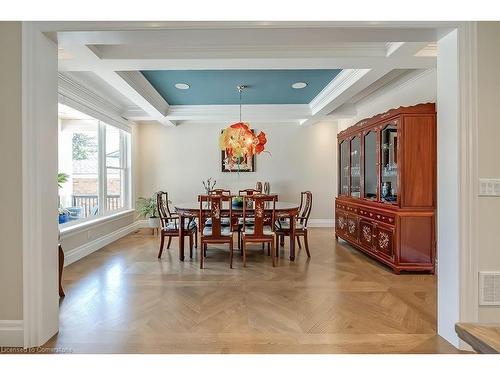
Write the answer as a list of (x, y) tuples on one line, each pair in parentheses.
[(239, 141)]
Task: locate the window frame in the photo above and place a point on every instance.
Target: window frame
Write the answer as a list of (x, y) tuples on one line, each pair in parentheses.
[(126, 174)]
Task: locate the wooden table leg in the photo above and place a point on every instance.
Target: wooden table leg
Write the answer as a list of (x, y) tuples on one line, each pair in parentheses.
[(181, 238), (292, 238), (61, 267)]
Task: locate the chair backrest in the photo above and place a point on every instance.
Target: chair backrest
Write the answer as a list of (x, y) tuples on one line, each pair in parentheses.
[(258, 186), (248, 192), (219, 192), (163, 207), (305, 207), (213, 211), (258, 204)]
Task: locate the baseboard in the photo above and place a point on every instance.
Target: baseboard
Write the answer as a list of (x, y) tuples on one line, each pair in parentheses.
[(321, 223), (11, 333), (79, 252)]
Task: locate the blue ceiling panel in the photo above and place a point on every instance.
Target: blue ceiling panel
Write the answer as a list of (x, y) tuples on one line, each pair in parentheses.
[(209, 87)]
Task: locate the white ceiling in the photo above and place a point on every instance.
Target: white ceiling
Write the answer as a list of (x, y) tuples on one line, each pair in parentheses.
[(106, 57)]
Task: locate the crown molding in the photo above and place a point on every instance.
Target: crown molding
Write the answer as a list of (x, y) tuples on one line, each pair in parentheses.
[(81, 98), (250, 112), (339, 84), (139, 83), (226, 113)]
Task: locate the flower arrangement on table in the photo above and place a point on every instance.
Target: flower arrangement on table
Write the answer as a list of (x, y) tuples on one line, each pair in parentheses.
[(209, 185), (240, 144)]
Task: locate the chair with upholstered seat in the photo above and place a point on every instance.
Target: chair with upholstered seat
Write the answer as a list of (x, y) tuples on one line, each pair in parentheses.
[(215, 233), (282, 226), (169, 224), (256, 231)]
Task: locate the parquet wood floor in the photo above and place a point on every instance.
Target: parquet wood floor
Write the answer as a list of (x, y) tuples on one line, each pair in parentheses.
[(121, 299)]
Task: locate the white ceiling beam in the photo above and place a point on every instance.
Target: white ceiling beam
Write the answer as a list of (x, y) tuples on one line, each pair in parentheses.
[(262, 36), (341, 90), (350, 82), (407, 49), (250, 112), (362, 62), (156, 109)]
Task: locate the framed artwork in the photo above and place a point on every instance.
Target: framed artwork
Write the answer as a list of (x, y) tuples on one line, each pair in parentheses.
[(235, 164)]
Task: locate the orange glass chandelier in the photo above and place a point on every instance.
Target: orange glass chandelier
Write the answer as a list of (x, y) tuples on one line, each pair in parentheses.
[(240, 142)]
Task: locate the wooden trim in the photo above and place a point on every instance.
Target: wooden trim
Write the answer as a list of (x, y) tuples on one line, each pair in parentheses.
[(387, 116)]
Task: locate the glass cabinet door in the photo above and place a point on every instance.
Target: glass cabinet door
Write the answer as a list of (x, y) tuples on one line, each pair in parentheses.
[(344, 168), (355, 164), (370, 166), (389, 164)]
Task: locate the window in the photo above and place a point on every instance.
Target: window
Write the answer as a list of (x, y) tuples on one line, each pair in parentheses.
[(94, 167)]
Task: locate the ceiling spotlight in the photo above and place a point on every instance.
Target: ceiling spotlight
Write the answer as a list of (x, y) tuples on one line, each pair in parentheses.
[(181, 86), (299, 85)]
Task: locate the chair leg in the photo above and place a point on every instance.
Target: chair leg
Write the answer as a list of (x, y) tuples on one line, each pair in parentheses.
[(244, 253), (196, 239), (307, 244), (169, 241), (240, 243), (298, 241), (263, 246), (202, 247), (269, 248), (162, 241), (191, 245), (231, 253), (273, 252), (205, 250), (277, 246)]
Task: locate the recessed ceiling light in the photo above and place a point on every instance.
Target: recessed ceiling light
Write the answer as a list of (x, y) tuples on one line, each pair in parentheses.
[(299, 85), (181, 86)]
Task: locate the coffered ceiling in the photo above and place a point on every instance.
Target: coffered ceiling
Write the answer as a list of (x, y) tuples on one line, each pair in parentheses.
[(136, 66)]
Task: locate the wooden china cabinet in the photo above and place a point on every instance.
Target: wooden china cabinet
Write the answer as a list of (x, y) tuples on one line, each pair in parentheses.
[(387, 187)]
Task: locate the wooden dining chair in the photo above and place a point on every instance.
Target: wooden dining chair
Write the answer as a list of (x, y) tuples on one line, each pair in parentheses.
[(225, 221), (169, 224), (219, 192), (245, 192), (282, 226), (258, 232), (215, 233)]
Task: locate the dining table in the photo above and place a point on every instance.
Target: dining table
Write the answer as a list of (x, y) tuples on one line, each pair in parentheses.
[(188, 210)]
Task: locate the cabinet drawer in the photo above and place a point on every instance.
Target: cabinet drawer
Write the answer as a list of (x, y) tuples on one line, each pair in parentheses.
[(377, 216)]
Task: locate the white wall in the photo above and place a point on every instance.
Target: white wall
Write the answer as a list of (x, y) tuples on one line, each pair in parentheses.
[(177, 159), (448, 210), (488, 161), (11, 266)]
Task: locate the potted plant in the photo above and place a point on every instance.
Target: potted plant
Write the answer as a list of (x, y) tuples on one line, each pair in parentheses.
[(146, 208), (63, 215), (237, 202)]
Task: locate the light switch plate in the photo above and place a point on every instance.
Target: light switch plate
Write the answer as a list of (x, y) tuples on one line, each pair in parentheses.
[(489, 187)]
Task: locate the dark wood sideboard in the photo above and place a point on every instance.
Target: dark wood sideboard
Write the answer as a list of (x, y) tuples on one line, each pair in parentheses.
[(387, 187)]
